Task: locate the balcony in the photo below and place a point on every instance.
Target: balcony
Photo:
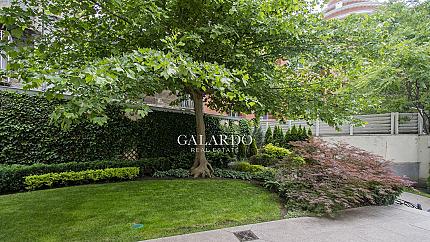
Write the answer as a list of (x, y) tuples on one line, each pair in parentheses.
[(4, 3), (348, 7)]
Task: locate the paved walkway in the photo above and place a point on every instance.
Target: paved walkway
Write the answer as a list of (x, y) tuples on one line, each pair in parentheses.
[(391, 223), (416, 199)]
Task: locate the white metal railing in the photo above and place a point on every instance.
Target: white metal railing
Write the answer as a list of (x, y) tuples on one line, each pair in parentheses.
[(387, 123)]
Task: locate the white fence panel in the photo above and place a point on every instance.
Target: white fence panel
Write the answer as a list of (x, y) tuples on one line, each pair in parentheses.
[(386, 123)]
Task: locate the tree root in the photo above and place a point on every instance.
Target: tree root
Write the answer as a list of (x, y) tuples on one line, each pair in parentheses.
[(204, 169)]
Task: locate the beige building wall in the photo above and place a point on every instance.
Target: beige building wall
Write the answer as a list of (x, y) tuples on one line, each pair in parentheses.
[(410, 153)]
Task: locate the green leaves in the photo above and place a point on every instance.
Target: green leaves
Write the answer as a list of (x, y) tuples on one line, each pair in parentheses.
[(395, 54), (119, 51), (51, 180)]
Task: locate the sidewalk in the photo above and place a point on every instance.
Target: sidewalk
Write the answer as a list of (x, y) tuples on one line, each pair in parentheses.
[(415, 199), (390, 223)]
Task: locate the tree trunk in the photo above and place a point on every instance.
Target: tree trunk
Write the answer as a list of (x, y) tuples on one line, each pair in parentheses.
[(201, 167)]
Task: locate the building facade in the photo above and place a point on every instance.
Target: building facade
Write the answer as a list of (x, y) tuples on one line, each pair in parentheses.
[(340, 9)]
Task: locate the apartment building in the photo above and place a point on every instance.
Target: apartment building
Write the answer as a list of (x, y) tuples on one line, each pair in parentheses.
[(340, 9)]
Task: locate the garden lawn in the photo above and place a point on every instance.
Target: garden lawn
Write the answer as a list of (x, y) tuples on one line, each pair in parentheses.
[(106, 212)]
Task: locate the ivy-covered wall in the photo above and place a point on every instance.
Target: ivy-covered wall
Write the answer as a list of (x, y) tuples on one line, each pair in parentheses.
[(27, 137)]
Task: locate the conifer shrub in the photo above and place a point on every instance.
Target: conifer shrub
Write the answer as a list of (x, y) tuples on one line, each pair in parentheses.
[(253, 150), (268, 138)]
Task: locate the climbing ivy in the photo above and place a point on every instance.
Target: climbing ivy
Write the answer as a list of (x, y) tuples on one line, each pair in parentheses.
[(27, 136)]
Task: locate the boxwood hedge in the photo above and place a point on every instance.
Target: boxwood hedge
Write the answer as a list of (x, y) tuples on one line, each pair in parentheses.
[(12, 176), (68, 178)]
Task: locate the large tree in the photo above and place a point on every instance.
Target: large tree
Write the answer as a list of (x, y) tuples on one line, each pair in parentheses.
[(244, 55), (394, 48)]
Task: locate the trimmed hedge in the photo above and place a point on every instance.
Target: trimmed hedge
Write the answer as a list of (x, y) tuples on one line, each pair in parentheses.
[(27, 137), (262, 176), (12, 176), (72, 177)]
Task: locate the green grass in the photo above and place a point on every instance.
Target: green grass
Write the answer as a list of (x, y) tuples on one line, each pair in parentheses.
[(106, 212)]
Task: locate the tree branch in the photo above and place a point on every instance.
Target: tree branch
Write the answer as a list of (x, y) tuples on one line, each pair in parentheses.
[(111, 12)]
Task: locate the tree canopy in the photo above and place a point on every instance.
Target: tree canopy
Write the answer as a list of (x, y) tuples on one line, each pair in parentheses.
[(395, 55), (272, 56)]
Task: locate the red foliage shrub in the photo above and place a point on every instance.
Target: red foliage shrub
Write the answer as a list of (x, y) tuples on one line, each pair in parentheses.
[(337, 177)]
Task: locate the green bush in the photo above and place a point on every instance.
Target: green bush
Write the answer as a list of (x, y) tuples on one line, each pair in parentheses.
[(232, 174), (296, 134), (178, 173), (220, 173), (263, 176), (244, 128), (253, 150), (263, 159), (81, 177), (27, 137), (245, 166), (278, 136), (12, 176), (186, 160), (218, 159), (268, 137), (241, 151), (258, 136), (276, 151), (266, 175)]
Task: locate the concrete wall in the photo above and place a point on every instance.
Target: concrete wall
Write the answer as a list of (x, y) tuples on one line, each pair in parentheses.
[(410, 153)]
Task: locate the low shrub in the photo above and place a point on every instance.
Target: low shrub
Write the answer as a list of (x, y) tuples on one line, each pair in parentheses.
[(232, 174), (12, 176), (218, 159), (263, 160), (267, 175), (178, 173), (296, 134), (276, 151), (221, 173), (81, 177), (245, 166), (336, 177), (185, 161), (291, 161)]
